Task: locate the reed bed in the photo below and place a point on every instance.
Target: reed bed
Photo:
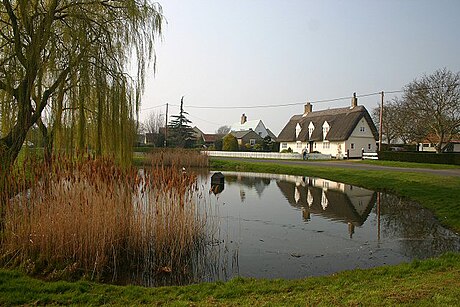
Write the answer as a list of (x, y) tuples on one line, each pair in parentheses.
[(178, 157), (91, 218)]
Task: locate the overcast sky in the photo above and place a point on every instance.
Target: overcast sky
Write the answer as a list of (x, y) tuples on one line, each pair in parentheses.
[(269, 52)]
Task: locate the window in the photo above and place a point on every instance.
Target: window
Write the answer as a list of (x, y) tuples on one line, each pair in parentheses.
[(252, 142), (315, 145), (326, 145), (299, 144), (352, 145), (369, 146), (362, 129), (311, 127), (297, 130), (283, 145), (325, 129), (260, 133)]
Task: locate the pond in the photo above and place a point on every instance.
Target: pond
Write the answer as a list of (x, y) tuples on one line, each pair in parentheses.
[(281, 226)]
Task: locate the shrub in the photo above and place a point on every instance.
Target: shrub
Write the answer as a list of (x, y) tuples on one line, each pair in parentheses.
[(229, 143), (421, 157)]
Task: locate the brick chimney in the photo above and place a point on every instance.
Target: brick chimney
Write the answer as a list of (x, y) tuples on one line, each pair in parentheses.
[(307, 108), (354, 101), (243, 119)]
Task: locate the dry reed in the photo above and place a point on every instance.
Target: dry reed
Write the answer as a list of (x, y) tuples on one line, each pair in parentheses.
[(178, 157), (91, 218)]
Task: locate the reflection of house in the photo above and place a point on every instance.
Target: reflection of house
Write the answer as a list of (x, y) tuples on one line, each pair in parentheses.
[(255, 125), (332, 200), (429, 143), (332, 131)]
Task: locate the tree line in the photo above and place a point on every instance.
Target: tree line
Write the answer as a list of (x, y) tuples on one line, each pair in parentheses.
[(428, 110)]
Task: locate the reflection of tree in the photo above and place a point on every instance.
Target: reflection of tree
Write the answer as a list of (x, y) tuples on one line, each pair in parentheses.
[(253, 183), (421, 235)]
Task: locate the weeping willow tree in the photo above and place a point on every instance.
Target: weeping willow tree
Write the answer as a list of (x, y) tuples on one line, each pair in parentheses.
[(63, 67)]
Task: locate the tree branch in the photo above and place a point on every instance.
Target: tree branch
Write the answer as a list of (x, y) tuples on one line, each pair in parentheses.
[(17, 35)]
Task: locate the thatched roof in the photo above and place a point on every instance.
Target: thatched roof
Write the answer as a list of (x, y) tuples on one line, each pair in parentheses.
[(342, 122)]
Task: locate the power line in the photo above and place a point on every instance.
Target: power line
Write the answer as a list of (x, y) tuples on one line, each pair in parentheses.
[(154, 107), (300, 103), (207, 121)]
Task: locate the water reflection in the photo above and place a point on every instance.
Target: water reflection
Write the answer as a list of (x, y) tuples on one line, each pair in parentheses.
[(282, 226), (292, 226), (332, 200)]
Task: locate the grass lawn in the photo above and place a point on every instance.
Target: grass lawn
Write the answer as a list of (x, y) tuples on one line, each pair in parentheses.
[(426, 283), (432, 282), (406, 164)]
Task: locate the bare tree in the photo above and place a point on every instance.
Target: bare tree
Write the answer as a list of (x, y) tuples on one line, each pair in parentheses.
[(389, 122), (154, 122), (223, 130), (432, 105)]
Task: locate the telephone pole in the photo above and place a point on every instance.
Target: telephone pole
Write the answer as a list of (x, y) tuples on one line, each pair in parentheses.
[(381, 122), (166, 125)]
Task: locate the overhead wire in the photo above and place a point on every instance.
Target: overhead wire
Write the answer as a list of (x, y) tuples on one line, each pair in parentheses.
[(296, 103)]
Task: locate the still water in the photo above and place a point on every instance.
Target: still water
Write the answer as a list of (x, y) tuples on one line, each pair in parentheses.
[(281, 226)]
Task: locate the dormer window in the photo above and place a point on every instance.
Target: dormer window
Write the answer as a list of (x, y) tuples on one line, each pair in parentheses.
[(297, 130), (325, 129), (311, 127)]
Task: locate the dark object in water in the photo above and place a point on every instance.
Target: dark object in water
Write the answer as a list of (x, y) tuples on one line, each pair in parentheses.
[(217, 178), (217, 182)]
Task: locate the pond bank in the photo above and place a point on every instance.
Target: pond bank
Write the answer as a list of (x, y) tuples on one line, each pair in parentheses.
[(433, 281)]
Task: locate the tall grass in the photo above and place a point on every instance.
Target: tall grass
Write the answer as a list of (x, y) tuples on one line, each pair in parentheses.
[(91, 218), (178, 157)]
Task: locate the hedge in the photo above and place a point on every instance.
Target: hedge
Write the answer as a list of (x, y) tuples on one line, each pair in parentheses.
[(421, 157)]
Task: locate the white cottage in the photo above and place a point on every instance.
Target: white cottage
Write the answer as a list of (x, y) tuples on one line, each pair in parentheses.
[(255, 125), (337, 132)]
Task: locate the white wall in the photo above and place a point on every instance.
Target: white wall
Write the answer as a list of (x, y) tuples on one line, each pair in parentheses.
[(360, 140)]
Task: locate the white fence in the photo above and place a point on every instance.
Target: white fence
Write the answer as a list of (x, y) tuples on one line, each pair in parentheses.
[(265, 155), (370, 156)]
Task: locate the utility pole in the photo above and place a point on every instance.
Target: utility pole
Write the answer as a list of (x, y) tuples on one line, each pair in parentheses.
[(381, 122), (166, 125)]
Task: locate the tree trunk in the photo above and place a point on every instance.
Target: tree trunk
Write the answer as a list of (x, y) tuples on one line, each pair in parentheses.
[(48, 142)]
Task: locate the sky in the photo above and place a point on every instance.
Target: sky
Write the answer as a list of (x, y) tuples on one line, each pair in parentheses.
[(248, 56)]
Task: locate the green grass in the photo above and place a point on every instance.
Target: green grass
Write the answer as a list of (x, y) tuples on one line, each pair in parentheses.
[(429, 282), (406, 164), (433, 282)]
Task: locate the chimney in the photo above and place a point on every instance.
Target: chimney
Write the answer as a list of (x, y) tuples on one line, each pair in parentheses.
[(354, 101), (243, 119), (307, 108)]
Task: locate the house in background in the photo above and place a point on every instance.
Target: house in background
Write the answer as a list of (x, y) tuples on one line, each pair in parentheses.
[(255, 125), (206, 139), (333, 131), (431, 140), (247, 137)]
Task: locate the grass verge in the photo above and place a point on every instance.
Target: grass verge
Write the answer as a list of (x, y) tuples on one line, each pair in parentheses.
[(422, 283)]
